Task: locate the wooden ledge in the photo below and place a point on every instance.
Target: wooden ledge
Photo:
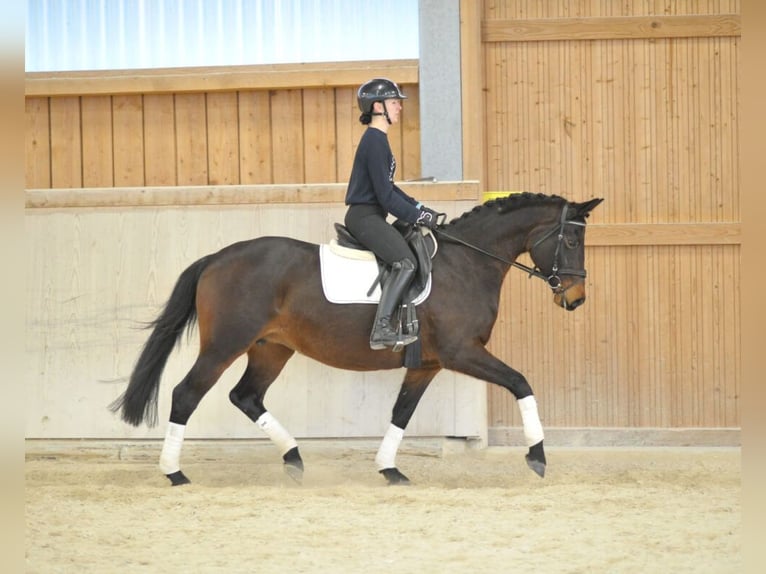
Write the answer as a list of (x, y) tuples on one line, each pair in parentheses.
[(118, 197), (612, 28), (713, 233), (212, 79), (599, 234)]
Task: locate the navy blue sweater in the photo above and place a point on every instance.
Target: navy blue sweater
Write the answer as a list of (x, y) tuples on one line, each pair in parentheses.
[(372, 178)]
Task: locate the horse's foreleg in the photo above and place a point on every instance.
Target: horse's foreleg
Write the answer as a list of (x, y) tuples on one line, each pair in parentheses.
[(286, 444), (265, 362), (479, 363), (533, 433), (415, 383)]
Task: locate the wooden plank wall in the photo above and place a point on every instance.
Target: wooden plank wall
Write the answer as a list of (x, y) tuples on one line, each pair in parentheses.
[(636, 102), (221, 126), (133, 175)]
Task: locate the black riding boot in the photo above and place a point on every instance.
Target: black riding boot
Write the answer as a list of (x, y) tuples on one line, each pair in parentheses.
[(384, 334)]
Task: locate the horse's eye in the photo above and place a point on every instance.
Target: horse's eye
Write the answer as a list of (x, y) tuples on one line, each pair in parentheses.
[(571, 242)]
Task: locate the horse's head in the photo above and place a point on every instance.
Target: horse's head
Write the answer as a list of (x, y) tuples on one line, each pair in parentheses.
[(558, 251)]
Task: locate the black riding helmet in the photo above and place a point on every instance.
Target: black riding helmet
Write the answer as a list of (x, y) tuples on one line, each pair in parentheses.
[(376, 90)]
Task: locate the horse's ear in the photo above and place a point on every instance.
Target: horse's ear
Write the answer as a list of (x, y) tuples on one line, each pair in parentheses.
[(584, 209)]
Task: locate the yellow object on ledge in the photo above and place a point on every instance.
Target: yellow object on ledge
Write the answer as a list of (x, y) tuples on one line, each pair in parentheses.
[(490, 195)]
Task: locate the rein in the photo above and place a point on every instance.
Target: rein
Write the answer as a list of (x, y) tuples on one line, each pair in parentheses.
[(553, 280)]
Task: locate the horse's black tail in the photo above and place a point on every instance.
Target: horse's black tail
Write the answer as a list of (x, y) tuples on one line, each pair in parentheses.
[(139, 401)]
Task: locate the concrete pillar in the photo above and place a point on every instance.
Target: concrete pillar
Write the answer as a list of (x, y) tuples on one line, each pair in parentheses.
[(441, 152)]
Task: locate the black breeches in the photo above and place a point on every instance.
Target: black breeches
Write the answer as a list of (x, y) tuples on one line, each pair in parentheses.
[(368, 224)]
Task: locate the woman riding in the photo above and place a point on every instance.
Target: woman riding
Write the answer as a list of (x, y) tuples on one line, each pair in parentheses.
[(372, 196)]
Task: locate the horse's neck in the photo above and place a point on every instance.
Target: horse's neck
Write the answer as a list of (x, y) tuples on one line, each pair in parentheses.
[(507, 240)]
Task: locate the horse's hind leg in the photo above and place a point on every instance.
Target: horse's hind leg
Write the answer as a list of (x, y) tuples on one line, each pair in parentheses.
[(415, 383), (186, 396), (264, 363)]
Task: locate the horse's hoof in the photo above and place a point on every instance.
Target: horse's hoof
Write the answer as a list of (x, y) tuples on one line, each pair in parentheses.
[(294, 471), (178, 478), (294, 465), (537, 466), (393, 476), (536, 459)]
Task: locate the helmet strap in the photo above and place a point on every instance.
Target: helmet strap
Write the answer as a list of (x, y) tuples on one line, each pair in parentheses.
[(385, 112)]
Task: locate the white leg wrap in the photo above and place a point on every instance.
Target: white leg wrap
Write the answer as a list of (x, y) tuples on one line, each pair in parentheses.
[(386, 457), (533, 428), (170, 458), (276, 432)]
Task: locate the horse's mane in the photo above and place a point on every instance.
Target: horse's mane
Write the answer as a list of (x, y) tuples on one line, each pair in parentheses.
[(509, 203)]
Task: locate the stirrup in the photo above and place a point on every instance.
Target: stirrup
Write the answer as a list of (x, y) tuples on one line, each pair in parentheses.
[(397, 342), (403, 341)]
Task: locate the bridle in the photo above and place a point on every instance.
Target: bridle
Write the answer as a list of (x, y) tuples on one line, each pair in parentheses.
[(554, 279)]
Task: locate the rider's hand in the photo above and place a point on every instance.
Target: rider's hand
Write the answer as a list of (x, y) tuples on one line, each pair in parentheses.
[(427, 218)]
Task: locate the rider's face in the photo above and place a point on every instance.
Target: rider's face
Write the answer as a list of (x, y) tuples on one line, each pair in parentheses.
[(394, 107)]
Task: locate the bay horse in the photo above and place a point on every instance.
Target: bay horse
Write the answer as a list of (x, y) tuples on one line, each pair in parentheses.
[(263, 297)]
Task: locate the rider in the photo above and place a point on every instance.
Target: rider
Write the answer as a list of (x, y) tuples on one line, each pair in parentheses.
[(372, 195)]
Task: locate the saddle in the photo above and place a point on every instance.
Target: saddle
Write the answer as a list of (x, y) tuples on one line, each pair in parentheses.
[(423, 245)]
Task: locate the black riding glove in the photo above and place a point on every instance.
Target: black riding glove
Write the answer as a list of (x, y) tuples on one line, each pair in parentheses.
[(427, 218)]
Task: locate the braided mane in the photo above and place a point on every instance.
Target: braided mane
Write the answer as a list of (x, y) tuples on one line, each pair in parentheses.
[(509, 203)]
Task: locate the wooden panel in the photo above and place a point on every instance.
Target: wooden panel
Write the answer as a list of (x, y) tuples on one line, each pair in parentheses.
[(255, 138), (630, 27), (219, 78), (319, 144), (97, 141), (223, 138), (524, 9), (348, 130), (128, 145), (664, 234), (650, 352), (287, 136), (226, 137), (66, 141), (638, 154), (159, 140), (191, 139), (652, 126), (409, 154), (37, 150)]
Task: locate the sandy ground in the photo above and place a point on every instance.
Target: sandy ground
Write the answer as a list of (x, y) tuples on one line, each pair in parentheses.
[(105, 507)]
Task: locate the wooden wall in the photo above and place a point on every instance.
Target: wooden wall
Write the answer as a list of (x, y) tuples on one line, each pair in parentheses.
[(636, 102), (131, 176), (97, 273), (207, 126)]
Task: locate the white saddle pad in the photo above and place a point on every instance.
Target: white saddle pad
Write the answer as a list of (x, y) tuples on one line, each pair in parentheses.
[(347, 275)]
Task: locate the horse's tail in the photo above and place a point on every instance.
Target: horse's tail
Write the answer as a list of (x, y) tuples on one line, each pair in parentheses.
[(139, 401)]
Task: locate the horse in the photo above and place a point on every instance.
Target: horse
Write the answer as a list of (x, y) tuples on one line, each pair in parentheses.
[(263, 297)]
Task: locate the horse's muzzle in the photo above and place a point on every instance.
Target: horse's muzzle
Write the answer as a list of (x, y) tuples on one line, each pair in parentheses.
[(571, 296)]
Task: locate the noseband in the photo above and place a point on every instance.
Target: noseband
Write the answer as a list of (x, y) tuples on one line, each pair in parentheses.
[(554, 279)]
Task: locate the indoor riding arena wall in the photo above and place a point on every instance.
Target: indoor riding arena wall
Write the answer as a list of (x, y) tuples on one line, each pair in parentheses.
[(634, 102), (638, 103), (133, 175)]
